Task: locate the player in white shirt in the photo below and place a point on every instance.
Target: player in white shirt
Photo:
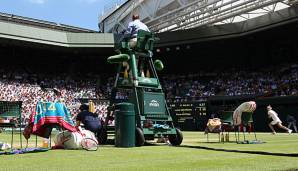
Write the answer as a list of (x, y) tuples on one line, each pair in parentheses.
[(275, 121)]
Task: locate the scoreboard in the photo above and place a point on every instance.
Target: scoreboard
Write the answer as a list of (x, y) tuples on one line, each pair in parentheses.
[(189, 115)]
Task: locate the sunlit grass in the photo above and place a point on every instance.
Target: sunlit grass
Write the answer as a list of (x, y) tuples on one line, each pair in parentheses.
[(162, 156)]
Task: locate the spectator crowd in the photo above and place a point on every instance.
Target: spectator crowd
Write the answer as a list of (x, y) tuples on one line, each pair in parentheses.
[(273, 81), (29, 88)]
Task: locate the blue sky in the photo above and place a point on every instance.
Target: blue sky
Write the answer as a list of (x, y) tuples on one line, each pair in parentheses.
[(80, 13)]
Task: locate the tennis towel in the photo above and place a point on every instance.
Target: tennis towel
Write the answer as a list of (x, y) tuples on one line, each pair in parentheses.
[(49, 115)]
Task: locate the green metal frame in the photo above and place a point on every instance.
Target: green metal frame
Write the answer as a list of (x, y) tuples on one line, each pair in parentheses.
[(146, 92)]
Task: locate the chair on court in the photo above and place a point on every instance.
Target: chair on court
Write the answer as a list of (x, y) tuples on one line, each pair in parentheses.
[(213, 126), (48, 115), (246, 121), (226, 118)]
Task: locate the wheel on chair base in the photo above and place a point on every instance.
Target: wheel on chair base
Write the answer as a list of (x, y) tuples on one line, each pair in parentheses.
[(140, 139), (177, 139)]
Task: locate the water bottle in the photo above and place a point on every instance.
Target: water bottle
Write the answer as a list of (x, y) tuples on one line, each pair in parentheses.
[(45, 143)]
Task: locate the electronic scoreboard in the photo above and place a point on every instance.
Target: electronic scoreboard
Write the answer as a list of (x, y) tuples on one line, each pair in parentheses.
[(189, 115)]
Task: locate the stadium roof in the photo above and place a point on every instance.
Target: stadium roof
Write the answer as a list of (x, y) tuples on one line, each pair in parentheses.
[(285, 17), (14, 31), (170, 15), (42, 24), (22, 29)]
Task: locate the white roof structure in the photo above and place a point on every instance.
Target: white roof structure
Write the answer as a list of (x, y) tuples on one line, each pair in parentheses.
[(171, 15)]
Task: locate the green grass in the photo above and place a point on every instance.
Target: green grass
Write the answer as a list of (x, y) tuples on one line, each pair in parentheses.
[(164, 157)]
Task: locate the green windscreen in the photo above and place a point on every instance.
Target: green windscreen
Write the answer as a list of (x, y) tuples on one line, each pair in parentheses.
[(10, 109)]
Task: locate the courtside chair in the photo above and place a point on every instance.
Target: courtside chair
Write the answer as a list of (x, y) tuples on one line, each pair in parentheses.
[(247, 120), (226, 118), (214, 132), (213, 126)]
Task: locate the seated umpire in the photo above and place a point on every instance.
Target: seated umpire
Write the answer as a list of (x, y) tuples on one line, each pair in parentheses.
[(133, 27), (90, 120)]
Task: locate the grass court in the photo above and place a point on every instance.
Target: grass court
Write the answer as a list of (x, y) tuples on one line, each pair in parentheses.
[(195, 153)]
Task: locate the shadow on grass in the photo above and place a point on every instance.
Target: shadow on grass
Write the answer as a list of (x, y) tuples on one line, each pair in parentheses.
[(112, 142), (239, 151)]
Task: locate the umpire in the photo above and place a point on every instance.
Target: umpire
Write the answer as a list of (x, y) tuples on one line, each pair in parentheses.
[(90, 120)]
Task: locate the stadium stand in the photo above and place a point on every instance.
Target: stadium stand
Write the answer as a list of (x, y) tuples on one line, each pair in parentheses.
[(19, 85), (274, 81)]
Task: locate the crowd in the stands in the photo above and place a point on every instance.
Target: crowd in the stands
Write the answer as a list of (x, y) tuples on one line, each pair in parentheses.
[(270, 82), (32, 87)]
